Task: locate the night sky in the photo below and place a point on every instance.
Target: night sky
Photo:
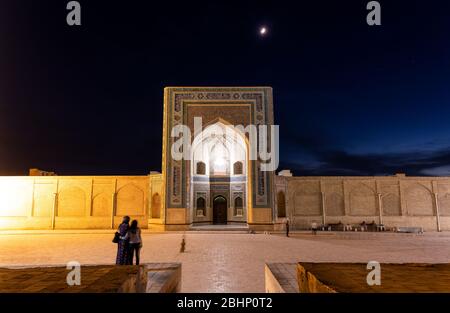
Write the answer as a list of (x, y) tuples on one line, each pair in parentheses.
[(350, 99)]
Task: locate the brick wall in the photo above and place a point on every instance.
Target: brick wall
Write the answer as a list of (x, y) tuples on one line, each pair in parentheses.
[(81, 202), (393, 200)]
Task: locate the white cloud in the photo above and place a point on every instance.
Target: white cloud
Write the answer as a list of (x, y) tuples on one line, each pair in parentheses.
[(437, 171)]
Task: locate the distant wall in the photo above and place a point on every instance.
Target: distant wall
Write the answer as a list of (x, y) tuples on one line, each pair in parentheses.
[(394, 200), (79, 202), (100, 202)]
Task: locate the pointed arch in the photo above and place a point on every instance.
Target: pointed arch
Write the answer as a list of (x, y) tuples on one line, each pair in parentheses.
[(363, 201), (101, 204), (238, 206), (201, 168), (281, 204), (156, 205), (334, 204), (130, 200), (201, 206), (238, 168), (391, 205), (419, 200), (72, 202)]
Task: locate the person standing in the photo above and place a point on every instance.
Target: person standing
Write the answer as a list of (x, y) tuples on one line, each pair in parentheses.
[(122, 245), (287, 228), (314, 228), (135, 242)]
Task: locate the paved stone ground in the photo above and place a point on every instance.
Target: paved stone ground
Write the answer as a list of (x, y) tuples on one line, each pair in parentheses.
[(225, 262)]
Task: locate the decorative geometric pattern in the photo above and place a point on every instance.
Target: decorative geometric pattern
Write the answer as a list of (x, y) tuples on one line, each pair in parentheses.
[(214, 103)]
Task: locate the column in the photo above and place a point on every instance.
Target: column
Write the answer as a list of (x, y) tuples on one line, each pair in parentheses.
[(113, 208), (324, 221), (55, 201), (31, 210), (438, 218), (113, 203), (380, 208)]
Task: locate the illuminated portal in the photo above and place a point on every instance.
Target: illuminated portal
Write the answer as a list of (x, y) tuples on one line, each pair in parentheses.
[(219, 175), (219, 183)]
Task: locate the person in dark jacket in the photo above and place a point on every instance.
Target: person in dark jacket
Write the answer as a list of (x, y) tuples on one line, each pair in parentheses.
[(123, 245)]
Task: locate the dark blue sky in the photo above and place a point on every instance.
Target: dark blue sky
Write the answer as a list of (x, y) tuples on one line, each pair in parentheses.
[(350, 99)]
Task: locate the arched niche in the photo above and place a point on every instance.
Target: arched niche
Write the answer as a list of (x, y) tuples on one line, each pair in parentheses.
[(130, 201), (363, 201), (156, 205), (419, 200), (201, 206), (221, 148), (72, 202), (281, 204), (101, 205)]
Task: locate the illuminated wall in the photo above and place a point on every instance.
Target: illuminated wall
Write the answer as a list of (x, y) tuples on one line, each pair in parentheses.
[(99, 202), (81, 202), (393, 200)]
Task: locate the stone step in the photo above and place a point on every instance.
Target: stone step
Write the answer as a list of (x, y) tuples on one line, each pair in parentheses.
[(221, 228)]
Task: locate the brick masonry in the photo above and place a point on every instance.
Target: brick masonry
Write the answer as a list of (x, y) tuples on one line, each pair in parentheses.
[(395, 278), (150, 278)]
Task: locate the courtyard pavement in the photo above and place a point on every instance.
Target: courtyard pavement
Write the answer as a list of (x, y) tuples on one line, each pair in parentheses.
[(224, 262)]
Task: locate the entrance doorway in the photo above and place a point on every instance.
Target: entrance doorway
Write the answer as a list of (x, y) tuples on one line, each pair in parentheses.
[(220, 210)]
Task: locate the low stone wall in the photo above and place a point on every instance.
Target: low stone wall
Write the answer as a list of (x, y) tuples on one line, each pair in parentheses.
[(308, 283), (352, 278), (163, 278), (147, 278), (281, 278)]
